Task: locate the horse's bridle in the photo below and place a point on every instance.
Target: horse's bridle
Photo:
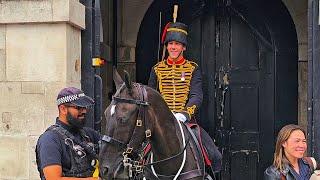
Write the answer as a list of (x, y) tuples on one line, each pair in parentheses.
[(136, 165), (139, 130)]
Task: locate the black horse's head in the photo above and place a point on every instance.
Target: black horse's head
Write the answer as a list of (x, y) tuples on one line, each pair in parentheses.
[(121, 145)]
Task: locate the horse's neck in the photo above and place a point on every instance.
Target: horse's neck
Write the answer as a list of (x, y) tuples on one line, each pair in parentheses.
[(166, 140), (167, 136)]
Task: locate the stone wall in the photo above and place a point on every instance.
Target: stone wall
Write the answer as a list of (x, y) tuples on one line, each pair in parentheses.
[(40, 50), (299, 13)]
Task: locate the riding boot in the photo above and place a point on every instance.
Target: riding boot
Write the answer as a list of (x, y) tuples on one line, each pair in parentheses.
[(212, 150)]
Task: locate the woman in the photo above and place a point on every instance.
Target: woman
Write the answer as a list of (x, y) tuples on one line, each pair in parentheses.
[(288, 162)]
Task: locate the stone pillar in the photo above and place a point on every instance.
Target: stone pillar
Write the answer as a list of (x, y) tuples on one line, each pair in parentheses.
[(40, 50), (298, 11)]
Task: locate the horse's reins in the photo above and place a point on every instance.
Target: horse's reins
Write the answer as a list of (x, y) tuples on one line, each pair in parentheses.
[(164, 160), (129, 146), (184, 155)]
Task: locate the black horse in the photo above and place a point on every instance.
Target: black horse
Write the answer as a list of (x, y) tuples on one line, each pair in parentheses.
[(138, 115)]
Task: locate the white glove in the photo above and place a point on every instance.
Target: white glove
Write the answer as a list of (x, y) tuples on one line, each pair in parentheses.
[(180, 117)]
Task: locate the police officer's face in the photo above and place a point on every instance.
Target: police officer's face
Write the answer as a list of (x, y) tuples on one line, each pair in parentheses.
[(76, 116), (175, 49)]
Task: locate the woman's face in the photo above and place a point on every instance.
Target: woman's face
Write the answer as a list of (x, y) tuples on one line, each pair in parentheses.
[(296, 145)]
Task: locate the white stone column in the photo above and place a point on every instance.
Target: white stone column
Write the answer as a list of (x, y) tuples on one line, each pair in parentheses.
[(40, 51)]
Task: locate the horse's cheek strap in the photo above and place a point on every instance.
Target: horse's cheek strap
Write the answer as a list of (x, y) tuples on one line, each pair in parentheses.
[(148, 126), (148, 133), (139, 123), (136, 138)]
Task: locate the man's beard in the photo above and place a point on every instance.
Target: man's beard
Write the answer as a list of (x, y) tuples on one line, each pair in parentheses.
[(76, 122)]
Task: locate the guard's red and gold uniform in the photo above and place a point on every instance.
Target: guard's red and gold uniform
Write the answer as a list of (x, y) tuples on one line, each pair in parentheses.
[(179, 83)]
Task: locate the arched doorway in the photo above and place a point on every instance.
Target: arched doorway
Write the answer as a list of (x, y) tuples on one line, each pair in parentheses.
[(247, 51)]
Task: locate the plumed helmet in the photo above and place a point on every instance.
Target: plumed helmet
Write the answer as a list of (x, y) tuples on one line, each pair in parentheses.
[(175, 32)]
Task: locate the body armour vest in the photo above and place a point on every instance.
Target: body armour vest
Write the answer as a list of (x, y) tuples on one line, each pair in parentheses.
[(174, 83), (82, 154)]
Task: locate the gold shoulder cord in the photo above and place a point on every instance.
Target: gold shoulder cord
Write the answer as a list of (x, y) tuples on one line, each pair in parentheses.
[(191, 110)]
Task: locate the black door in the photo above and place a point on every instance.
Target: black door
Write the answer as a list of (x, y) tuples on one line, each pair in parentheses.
[(238, 73), (245, 107)]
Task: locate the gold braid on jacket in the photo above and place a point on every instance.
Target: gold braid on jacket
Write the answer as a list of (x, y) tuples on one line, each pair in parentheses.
[(174, 84)]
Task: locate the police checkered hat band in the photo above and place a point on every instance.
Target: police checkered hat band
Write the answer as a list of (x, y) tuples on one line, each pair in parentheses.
[(74, 96), (70, 98)]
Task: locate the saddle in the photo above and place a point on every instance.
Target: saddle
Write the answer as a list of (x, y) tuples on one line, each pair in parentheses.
[(196, 134)]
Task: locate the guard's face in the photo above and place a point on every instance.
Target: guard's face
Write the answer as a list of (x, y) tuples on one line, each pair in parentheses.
[(175, 49), (296, 145)]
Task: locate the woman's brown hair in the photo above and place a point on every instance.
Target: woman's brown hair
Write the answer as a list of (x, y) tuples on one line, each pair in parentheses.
[(279, 157)]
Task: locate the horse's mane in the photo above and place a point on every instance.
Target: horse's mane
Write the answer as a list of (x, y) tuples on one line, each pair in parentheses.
[(163, 112), (156, 100)]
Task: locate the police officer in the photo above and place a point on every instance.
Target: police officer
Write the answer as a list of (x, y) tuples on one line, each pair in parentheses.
[(179, 82), (68, 149)]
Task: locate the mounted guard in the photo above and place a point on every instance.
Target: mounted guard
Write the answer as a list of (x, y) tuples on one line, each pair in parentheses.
[(179, 82)]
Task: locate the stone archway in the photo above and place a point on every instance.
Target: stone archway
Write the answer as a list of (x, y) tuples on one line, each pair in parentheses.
[(278, 78)]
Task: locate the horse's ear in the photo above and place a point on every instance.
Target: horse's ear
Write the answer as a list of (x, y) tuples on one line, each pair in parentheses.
[(127, 81), (117, 78)]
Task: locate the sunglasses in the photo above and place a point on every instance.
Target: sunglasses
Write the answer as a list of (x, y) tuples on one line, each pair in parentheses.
[(75, 107)]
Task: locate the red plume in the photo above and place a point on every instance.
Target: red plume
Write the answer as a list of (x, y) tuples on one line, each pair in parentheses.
[(164, 33)]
